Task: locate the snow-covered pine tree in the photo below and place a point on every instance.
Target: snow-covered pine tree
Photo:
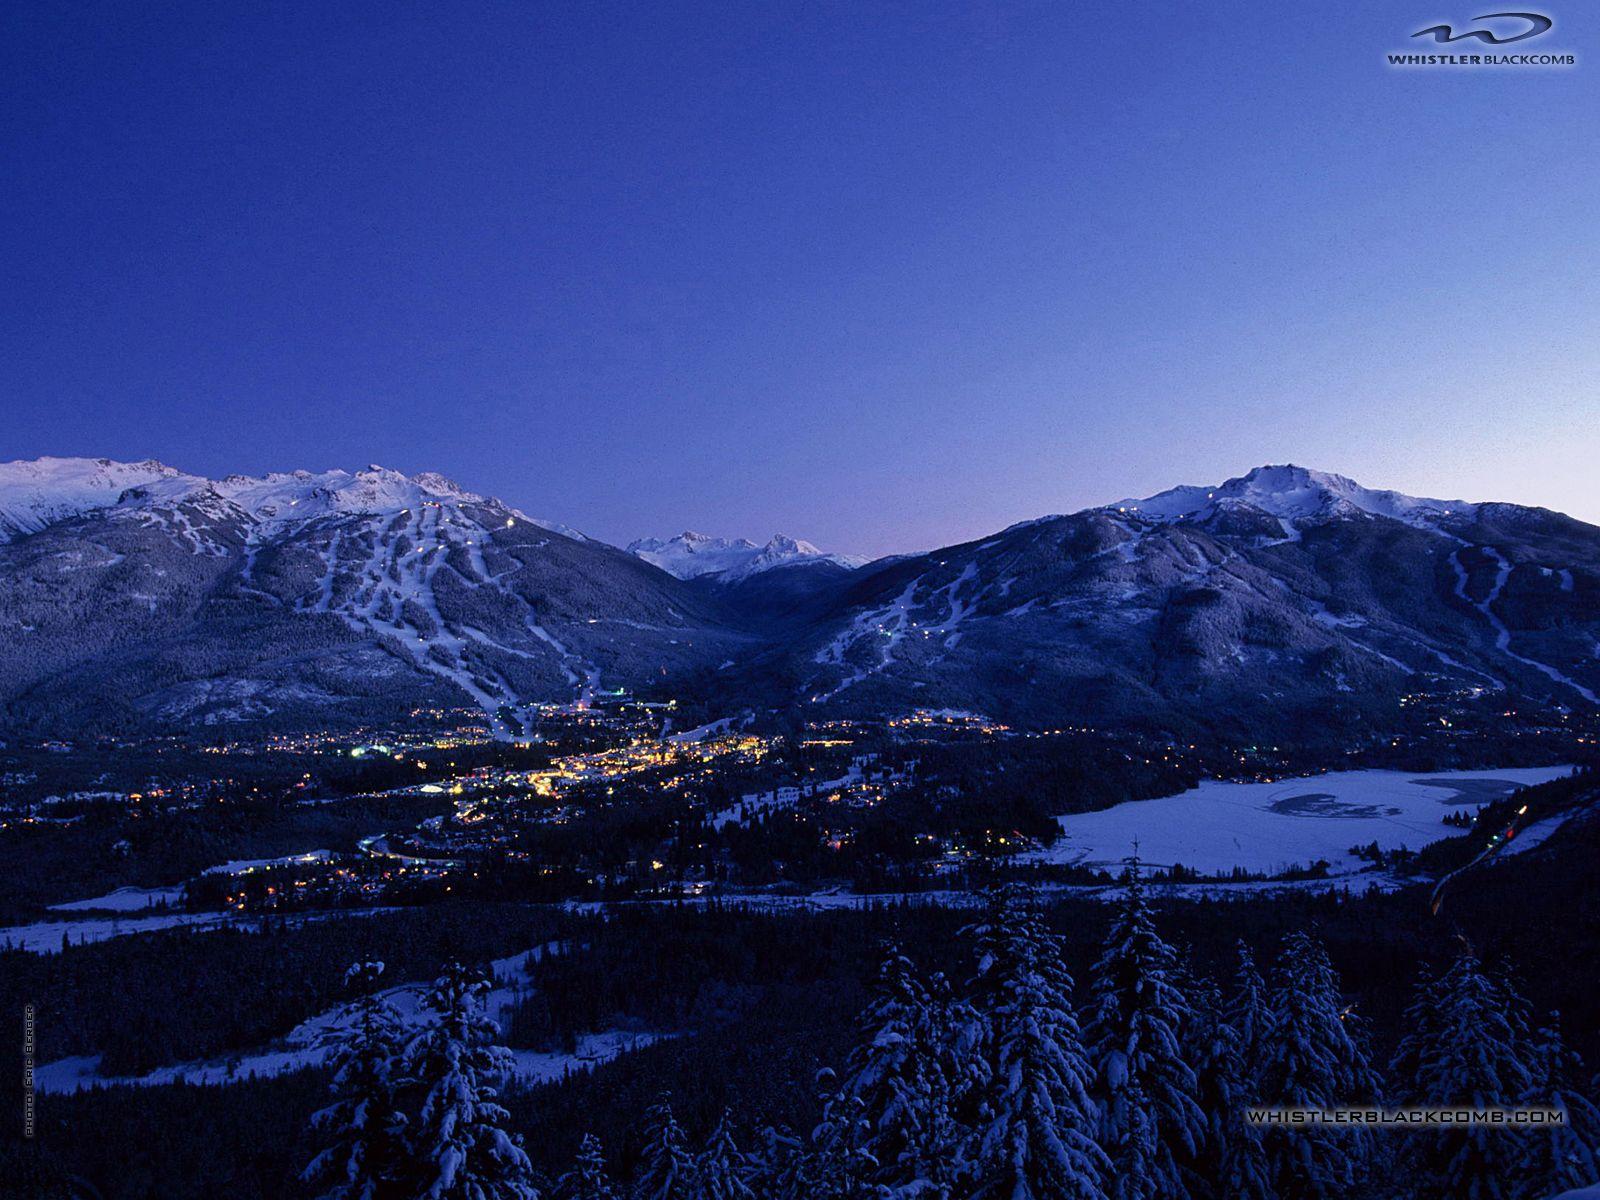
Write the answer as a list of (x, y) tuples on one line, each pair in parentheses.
[(1230, 1164), (1463, 1048), (897, 1075), (459, 1148), (1245, 1173), (1247, 1014), (777, 1165), (721, 1171), (588, 1179), (666, 1171), (1145, 1087), (886, 1071), (364, 1126), (1136, 1173), (960, 1081), (837, 1165), (1310, 1061), (1035, 1134), (1563, 1156)]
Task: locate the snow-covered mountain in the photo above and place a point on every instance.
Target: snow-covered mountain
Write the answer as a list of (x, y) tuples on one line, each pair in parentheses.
[(1293, 495), (152, 595), (695, 555), (1273, 596), (134, 595), (41, 492)]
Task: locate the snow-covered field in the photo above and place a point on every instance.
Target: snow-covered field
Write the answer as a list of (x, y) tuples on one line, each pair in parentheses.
[(46, 937), (310, 1043), (146, 900), (124, 900), (1269, 826)]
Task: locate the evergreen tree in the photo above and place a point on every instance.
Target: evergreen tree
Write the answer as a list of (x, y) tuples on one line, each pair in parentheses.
[(1230, 1164), (1246, 1013), (1245, 1173), (1146, 1089), (667, 1170), (1564, 1156), (1136, 1172), (777, 1167), (364, 1125), (1035, 1135), (838, 1165), (459, 1149), (1464, 1047), (588, 1179), (720, 1173), (1310, 1061), (897, 1075), (959, 1078)]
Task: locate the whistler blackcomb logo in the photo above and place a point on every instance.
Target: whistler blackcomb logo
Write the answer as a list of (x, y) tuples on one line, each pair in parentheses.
[(1488, 30), (1536, 24)]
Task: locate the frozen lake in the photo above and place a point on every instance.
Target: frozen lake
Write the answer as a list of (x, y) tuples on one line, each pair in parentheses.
[(1269, 826)]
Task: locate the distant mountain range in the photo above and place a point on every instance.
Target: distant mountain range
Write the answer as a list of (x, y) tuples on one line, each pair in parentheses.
[(696, 556), (136, 597)]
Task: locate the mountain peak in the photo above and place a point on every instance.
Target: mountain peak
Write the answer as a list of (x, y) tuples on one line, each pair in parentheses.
[(691, 555), (1290, 493), (782, 543), (39, 492)]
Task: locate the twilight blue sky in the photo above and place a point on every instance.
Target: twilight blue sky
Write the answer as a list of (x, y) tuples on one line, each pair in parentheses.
[(882, 276)]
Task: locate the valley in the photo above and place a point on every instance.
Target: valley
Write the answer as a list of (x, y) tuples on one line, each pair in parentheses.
[(674, 798)]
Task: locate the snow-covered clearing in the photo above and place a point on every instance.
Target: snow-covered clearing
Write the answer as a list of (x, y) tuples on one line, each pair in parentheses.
[(310, 1042), (1535, 835), (45, 937), (124, 900), (701, 732), (752, 805), (1266, 827), (140, 900)]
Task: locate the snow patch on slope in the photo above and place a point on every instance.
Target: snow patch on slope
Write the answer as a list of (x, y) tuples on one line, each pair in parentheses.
[(311, 1042)]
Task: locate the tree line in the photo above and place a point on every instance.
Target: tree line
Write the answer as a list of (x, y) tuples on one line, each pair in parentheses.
[(1016, 1084)]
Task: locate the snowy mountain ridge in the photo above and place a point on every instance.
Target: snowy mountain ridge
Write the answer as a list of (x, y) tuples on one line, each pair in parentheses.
[(137, 595), (1292, 494), (37, 493), (692, 555), (464, 590)]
